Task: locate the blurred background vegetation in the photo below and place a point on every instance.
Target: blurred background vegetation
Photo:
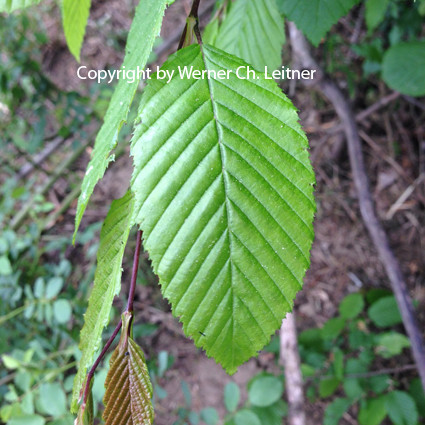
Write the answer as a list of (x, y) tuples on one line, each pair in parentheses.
[(355, 355)]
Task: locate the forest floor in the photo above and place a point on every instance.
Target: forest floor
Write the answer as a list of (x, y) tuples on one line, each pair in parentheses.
[(343, 259)]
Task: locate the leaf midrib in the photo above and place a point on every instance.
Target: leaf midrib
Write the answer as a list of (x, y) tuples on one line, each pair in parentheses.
[(225, 188)]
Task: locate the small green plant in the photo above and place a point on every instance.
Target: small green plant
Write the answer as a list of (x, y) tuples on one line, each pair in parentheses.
[(348, 355)]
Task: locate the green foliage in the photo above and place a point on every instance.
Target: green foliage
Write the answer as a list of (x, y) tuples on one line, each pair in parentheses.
[(403, 68), (351, 306), (107, 284), (75, 14), (12, 5), (253, 31), (343, 354), (375, 12), (401, 408), (144, 29), (315, 17), (391, 344), (230, 158), (231, 396), (384, 312), (372, 411), (265, 391), (335, 410)]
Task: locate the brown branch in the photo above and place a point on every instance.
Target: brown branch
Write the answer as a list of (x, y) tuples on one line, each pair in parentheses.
[(290, 359), (361, 181)]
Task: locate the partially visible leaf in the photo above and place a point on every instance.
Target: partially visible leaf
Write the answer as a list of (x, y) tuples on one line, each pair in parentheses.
[(253, 30), (210, 416), (401, 408), (385, 312), (231, 396), (27, 420), (372, 411), (128, 387), (224, 195), (335, 410), (375, 12), (403, 68), (265, 390), (391, 344), (316, 17), (144, 29), (52, 399), (246, 417), (351, 306), (75, 14), (12, 5), (107, 283), (328, 386)]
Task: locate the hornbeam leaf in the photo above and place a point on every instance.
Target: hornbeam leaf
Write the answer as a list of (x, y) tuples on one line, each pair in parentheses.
[(144, 29), (253, 30), (107, 283), (12, 5), (75, 14), (315, 17), (224, 195), (128, 387)]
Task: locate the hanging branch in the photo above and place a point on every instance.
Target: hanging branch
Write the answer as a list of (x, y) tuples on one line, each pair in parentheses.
[(333, 93)]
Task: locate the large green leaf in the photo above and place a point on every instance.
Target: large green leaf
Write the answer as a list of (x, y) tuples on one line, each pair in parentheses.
[(315, 17), (12, 5), (75, 14), (107, 283), (403, 68), (253, 30), (224, 195), (144, 29)]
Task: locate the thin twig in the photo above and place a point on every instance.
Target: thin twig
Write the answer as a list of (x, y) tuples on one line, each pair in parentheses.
[(361, 181)]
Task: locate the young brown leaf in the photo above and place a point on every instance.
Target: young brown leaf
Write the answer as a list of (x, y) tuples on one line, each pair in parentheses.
[(128, 388)]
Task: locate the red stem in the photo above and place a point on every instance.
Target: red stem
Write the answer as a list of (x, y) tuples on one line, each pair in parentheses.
[(98, 360), (117, 329)]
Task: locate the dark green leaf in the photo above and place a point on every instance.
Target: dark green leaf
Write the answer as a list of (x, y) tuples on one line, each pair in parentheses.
[(384, 312), (328, 386), (401, 408), (316, 17), (372, 411), (403, 68), (335, 410), (351, 306)]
